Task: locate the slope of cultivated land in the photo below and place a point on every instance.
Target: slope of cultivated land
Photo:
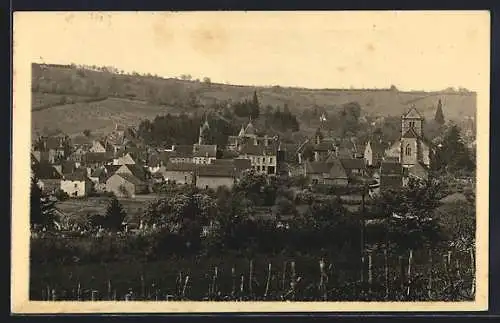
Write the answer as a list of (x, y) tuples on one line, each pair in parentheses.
[(99, 117), (82, 85)]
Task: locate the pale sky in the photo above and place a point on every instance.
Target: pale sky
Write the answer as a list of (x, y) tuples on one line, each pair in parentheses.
[(412, 50)]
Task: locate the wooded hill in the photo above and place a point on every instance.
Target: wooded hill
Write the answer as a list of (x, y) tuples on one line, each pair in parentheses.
[(73, 99)]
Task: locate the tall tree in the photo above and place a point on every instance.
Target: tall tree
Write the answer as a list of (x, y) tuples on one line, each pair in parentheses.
[(439, 117), (453, 154), (41, 207), (115, 215)]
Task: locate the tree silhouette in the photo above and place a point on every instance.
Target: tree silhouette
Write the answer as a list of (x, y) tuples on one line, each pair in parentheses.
[(454, 155), (114, 216), (439, 117), (41, 207)]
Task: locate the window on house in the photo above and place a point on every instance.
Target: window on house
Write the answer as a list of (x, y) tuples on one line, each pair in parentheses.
[(412, 124), (408, 150), (76, 185)]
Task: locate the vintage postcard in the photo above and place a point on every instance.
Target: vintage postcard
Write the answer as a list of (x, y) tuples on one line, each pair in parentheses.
[(250, 161)]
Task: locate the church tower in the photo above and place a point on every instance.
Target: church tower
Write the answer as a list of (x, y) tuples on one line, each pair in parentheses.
[(412, 120), (411, 133), (204, 135)]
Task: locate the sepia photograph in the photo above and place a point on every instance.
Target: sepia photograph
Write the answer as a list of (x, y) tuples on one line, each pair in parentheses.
[(250, 161)]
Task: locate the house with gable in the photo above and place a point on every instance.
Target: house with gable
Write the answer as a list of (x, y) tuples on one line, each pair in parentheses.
[(134, 170), (248, 135), (99, 176), (374, 152), (77, 183), (263, 158), (96, 159), (126, 185), (181, 154), (124, 158), (328, 172), (178, 173), (204, 154), (98, 146), (214, 176), (49, 178), (354, 168)]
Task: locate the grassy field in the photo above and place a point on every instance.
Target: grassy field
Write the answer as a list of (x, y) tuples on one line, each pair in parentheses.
[(79, 208), (79, 116), (99, 117)]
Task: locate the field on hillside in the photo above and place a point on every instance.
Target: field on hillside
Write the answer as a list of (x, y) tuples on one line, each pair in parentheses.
[(59, 81), (99, 117)]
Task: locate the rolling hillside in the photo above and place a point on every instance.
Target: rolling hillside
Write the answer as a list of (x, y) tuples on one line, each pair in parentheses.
[(74, 99)]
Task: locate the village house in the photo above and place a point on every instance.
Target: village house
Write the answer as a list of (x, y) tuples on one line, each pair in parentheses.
[(76, 184), (101, 174), (95, 160), (391, 175), (124, 159), (204, 154), (214, 176), (134, 170), (57, 146), (49, 178), (354, 168), (98, 146), (181, 154), (263, 158), (239, 165), (347, 148), (126, 185), (82, 142), (158, 159), (49, 157), (178, 173), (329, 172), (77, 155), (248, 135), (374, 153)]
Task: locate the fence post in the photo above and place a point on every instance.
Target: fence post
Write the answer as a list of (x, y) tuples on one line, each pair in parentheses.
[(370, 277), (143, 287), (410, 260), (386, 274), (250, 277), (233, 277), (268, 279), (109, 289), (283, 278), (294, 279), (473, 271), (402, 278), (429, 284), (185, 286)]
